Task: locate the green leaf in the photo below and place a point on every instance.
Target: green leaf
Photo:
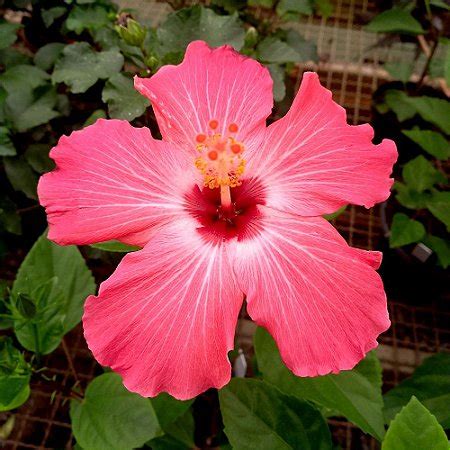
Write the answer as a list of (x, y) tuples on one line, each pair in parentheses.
[(432, 142), (257, 415), (439, 206), (430, 383), (25, 306), (419, 174), (115, 246), (168, 409), (40, 111), (90, 17), (124, 102), (10, 57), (6, 145), (399, 102), (409, 198), (37, 156), (111, 417), (15, 376), (50, 15), (433, 110), (178, 435), (97, 114), (58, 281), (442, 249), (395, 20), (279, 88), (8, 33), (355, 394), (405, 231), (47, 55), (440, 4), (80, 66), (324, 8), (31, 99), (9, 218), (335, 214), (274, 50), (286, 7), (415, 428), (399, 70), (21, 176), (194, 23)]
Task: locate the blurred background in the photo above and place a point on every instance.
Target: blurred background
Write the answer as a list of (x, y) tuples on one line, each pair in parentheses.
[(387, 63)]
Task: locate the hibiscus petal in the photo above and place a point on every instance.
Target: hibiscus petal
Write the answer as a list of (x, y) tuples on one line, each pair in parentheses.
[(112, 181), (210, 84), (320, 299), (165, 319), (314, 162)]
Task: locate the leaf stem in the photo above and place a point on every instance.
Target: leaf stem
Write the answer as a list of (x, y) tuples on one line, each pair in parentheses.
[(37, 350)]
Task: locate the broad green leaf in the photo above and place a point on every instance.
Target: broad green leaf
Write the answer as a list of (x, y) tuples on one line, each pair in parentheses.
[(274, 50), (47, 55), (80, 66), (111, 417), (89, 17), (405, 231), (307, 50), (15, 376), (430, 383), (115, 246), (38, 158), (395, 20), (286, 7), (124, 102), (257, 415), (439, 206), (432, 142), (409, 198), (10, 57), (50, 15), (442, 249), (58, 280), (9, 217), (419, 174), (324, 8), (6, 146), (433, 110), (40, 111), (8, 33), (168, 409), (355, 394), (262, 3), (416, 428), (279, 88), (194, 23), (21, 176), (447, 62), (399, 102), (399, 70), (97, 114), (31, 100), (293, 49), (178, 435)]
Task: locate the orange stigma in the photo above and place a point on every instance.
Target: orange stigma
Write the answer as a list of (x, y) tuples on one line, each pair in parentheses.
[(220, 160)]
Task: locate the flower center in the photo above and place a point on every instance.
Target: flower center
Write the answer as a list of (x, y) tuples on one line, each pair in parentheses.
[(220, 160)]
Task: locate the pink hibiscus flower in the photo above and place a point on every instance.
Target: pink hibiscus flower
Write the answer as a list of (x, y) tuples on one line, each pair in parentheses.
[(224, 208)]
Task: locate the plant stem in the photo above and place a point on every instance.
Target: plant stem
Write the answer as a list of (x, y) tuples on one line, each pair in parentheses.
[(37, 350), (225, 197), (427, 64)]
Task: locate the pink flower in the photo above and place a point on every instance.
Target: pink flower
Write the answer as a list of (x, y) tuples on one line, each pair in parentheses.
[(224, 207)]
